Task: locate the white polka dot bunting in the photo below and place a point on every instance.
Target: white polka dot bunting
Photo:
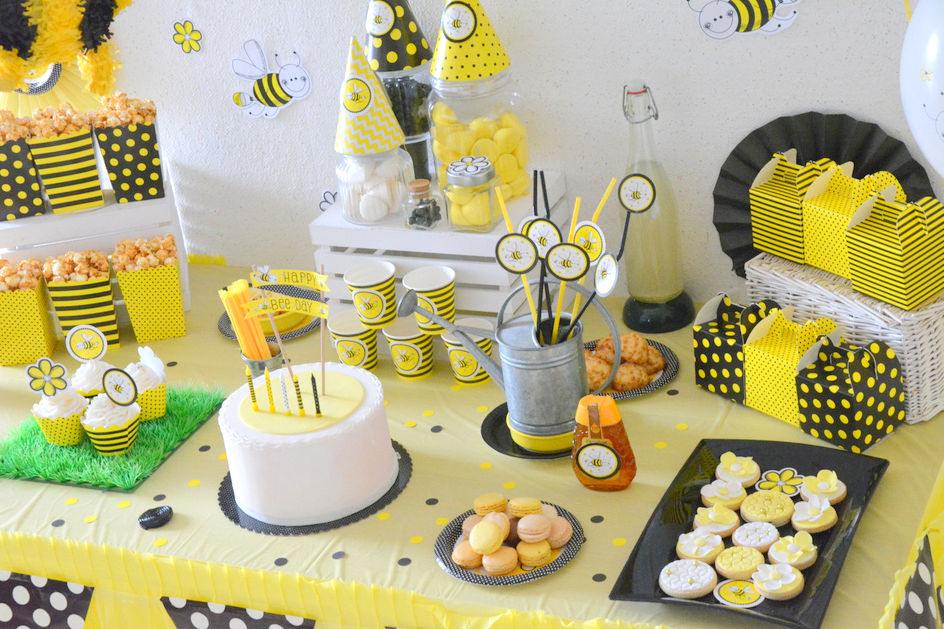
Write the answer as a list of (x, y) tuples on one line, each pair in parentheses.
[(213, 615), (36, 601), (918, 607)]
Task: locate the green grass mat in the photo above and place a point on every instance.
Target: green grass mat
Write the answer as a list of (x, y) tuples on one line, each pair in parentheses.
[(26, 455)]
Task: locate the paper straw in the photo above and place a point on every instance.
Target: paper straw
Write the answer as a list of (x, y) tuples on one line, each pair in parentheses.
[(560, 296), (596, 215), (524, 276)]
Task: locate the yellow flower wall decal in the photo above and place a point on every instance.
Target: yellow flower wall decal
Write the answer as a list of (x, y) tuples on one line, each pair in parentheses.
[(46, 377), (187, 36)]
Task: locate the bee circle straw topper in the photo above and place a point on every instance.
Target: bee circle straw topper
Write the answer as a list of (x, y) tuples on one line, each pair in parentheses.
[(589, 237), (637, 193), (516, 253), (120, 387), (544, 234), (567, 261), (604, 280), (85, 343)]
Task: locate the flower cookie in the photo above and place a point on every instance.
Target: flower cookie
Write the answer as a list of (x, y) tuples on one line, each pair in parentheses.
[(786, 480), (767, 506), (726, 493), (826, 485), (738, 562), (700, 544), (757, 535), (814, 516), (779, 582), (739, 469), (798, 551), (687, 578), (717, 519)]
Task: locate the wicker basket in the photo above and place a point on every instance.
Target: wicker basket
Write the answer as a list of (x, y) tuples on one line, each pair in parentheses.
[(917, 336)]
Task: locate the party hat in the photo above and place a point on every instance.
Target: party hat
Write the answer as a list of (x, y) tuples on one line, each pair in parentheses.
[(366, 124), (394, 39), (467, 47)]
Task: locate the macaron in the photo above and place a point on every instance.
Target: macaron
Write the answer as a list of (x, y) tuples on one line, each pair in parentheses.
[(520, 507), (533, 528), (486, 537), (513, 538), (549, 511), (469, 522), (561, 532), (465, 557), (489, 503), (502, 521), (502, 561), (533, 554)]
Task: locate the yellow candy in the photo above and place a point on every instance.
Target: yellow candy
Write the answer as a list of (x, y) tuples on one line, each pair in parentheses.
[(457, 216), (507, 168), (510, 121), (487, 148), (444, 154), (522, 154), (458, 198), (441, 174), (478, 212), (484, 127), (508, 139), (521, 184), (443, 114), (460, 140), (507, 191)]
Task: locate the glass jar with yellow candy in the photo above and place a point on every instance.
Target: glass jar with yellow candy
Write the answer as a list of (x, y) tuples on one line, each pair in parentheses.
[(471, 190), (478, 118)]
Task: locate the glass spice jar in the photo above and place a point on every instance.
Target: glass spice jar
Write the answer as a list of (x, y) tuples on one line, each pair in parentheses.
[(471, 195), (423, 207), (372, 188), (408, 91)]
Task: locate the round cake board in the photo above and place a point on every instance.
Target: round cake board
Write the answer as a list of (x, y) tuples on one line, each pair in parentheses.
[(231, 510)]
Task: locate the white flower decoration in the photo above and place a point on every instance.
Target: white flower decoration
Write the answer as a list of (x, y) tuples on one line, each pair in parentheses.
[(772, 578), (812, 510), (699, 543), (149, 359), (724, 490)]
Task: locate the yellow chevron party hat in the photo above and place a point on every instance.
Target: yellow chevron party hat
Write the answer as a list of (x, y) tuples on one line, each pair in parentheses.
[(366, 124), (394, 39), (467, 47)]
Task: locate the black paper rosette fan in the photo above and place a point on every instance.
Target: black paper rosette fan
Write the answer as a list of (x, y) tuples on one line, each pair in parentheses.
[(814, 135)]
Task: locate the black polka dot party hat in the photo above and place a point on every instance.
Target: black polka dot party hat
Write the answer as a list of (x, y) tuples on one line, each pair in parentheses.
[(467, 48), (394, 41)]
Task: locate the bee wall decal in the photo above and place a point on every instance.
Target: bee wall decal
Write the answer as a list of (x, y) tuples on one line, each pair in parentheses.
[(720, 19), (271, 91)]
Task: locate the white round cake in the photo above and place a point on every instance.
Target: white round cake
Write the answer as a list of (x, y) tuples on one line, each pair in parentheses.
[(289, 470)]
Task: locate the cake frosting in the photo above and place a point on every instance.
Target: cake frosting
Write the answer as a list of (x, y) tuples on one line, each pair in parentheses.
[(292, 471), (144, 377), (103, 413), (88, 377), (64, 403)]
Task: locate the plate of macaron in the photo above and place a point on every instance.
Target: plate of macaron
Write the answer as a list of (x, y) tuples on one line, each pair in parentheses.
[(507, 542), (754, 527)]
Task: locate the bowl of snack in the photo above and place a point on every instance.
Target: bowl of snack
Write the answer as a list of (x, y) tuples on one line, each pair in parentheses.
[(645, 365)]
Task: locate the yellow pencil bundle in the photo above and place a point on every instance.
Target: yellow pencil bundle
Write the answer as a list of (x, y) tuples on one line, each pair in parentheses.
[(249, 333)]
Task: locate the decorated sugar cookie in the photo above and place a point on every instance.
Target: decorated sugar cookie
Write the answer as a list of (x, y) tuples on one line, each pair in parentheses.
[(727, 493), (826, 485), (779, 582), (700, 544), (757, 535), (814, 515), (767, 506), (717, 519), (687, 578), (738, 562), (740, 469), (798, 551), (786, 480)]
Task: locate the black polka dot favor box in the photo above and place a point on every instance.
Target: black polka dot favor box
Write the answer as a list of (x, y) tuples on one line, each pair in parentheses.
[(719, 331), (132, 160), (20, 192), (851, 397)]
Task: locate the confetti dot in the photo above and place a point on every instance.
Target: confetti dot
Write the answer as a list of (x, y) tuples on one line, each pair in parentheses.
[(510, 485), (124, 504), (672, 392), (619, 541), (416, 539), (432, 501), (456, 387), (483, 409), (159, 497), (91, 518), (661, 444), (160, 542), (281, 561), (172, 363), (58, 523), (386, 402), (204, 448), (681, 426), (436, 429), (596, 519), (428, 413), (405, 561), (485, 466), (442, 521), (410, 424), (194, 483), (599, 578), (383, 516), (339, 555), (222, 457), (71, 501)]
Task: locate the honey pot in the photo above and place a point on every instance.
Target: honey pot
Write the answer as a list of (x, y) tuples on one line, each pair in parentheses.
[(602, 458)]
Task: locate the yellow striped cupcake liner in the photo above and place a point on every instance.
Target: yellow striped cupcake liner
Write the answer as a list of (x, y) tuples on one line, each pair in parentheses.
[(154, 301), (153, 403), (66, 165), (64, 431), (465, 367), (376, 305), (90, 302), (358, 350), (413, 357), (132, 160), (114, 439)]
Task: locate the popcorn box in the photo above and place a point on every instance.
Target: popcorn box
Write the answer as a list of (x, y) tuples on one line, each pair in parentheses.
[(828, 205), (20, 193), (132, 160), (776, 196), (719, 332), (66, 165), (896, 250), (28, 333), (89, 302), (114, 439), (850, 397), (771, 355), (65, 431), (154, 302)]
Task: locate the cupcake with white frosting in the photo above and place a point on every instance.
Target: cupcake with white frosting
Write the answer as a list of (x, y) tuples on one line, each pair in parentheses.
[(151, 382), (88, 377), (60, 416), (111, 427)]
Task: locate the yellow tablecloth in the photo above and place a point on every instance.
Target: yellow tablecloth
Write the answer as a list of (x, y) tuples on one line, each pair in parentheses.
[(381, 571)]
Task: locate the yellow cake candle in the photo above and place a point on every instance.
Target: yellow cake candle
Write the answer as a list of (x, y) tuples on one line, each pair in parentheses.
[(268, 382), (298, 396), (252, 390)]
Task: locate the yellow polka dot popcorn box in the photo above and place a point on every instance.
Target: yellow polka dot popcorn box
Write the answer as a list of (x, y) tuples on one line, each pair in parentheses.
[(20, 192), (776, 198), (131, 157), (828, 206), (851, 397), (719, 332), (154, 301), (28, 332), (771, 355), (67, 169)]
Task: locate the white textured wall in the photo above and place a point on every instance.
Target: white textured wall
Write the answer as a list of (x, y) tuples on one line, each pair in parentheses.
[(248, 188)]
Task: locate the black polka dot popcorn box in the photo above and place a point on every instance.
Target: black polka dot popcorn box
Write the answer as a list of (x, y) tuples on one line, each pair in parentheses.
[(133, 162), (20, 191), (851, 397), (719, 331)]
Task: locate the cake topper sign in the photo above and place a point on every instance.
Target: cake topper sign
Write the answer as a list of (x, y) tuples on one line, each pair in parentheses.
[(304, 279), (278, 303)]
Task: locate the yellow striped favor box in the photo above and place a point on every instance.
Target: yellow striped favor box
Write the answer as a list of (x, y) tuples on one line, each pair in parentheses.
[(90, 302), (66, 165), (896, 250)]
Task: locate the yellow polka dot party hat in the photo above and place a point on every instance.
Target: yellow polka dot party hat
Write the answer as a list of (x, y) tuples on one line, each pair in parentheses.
[(467, 47), (395, 41), (366, 124)]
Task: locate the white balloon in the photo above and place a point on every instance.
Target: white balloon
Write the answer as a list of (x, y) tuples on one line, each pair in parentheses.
[(922, 80)]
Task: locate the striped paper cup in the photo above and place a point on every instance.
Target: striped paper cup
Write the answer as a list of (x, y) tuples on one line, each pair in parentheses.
[(374, 294), (411, 349), (465, 366), (355, 344), (435, 288)]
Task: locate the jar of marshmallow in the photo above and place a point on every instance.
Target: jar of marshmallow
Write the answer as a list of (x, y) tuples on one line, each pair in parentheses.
[(373, 188)]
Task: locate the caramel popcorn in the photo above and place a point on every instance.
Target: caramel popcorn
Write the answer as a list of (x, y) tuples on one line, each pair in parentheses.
[(76, 267), (138, 254), (22, 276), (13, 128), (118, 110), (51, 122)]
